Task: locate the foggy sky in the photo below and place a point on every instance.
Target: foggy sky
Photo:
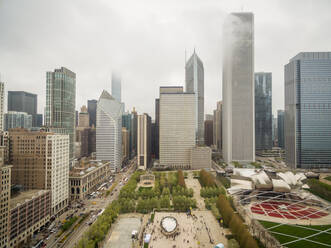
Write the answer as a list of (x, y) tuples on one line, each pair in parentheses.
[(146, 41)]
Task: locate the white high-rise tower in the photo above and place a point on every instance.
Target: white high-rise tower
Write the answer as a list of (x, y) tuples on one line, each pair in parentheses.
[(194, 80), (238, 120)]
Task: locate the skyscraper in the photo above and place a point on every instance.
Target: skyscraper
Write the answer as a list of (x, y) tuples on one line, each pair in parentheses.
[(177, 127), (157, 128), (194, 80), (2, 97), (92, 111), (134, 125), (274, 130), (208, 132), (308, 110), (217, 129), (280, 129), (127, 123), (21, 101), (263, 111), (109, 130), (116, 87), (15, 119), (144, 141), (83, 117), (238, 88), (60, 103)]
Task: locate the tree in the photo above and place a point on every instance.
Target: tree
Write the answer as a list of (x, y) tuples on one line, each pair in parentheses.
[(181, 179)]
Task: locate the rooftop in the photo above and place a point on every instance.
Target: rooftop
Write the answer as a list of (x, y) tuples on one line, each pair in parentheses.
[(24, 196), (85, 166)]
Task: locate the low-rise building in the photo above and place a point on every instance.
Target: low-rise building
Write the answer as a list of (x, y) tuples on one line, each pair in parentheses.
[(86, 176), (200, 157), (29, 211)]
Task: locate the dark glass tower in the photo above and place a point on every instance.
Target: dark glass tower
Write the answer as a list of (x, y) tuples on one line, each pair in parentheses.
[(263, 111), (308, 110), (280, 128), (92, 110)]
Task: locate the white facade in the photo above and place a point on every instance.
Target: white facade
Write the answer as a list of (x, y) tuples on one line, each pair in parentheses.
[(57, 170), (238, 116), (109, 130), (2, 96), (177, 128), (194, 80), (200, 157)]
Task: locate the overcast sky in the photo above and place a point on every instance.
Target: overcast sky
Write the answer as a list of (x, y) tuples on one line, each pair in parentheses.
[(146, 40)]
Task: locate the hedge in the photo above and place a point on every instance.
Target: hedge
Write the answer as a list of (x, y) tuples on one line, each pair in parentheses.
[(206, 179), (323, 190)]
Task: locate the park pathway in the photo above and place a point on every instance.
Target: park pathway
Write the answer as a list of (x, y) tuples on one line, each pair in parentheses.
[(195, 185)]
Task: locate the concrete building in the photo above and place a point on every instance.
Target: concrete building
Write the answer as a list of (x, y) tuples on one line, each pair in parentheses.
[(82, 138), (29, 211), (144, 141), (92, 111), (217, 127), (209, 126), (263, 111), (308, 110), (2, 97), (85, 177), (194, 81), (280, 129), (21, 101), (116, 86), (238, 113), (200, 158), (41, 161), (83, 118), (91, 140), (5, 177), (125, 144), (177, 127), (60, 103), (109, 130), (14, 119)]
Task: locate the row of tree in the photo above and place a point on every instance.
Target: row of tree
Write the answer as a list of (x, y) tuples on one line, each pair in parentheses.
[(236, 224), (181, 179), (100, 228), (183, 203), (207, 192), (206, 179)]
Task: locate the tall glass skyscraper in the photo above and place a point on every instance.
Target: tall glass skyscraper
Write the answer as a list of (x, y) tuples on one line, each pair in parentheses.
[(194, 79), (116, 87), (238, 115), (109, 130), (60, 103), (308, 110), (127, 123), (263, 111), (280, 128), (92, 111)]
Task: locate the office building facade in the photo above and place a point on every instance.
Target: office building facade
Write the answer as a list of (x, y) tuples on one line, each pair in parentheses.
[(127, 123), (134, 125), (280, 129), (263, 111), (15, 119), (308, 110), (217, 127), (238, 115), (125, 144), (116, 86), (157, 129), (2, 97), (177, 127), (194, 80), (144, 141), (92, 111), (109, 130), (60, 103), (41, 161), (5, 178), (209, 126)]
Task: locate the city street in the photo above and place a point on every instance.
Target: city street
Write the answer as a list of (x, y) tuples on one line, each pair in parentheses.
[(92, 204)]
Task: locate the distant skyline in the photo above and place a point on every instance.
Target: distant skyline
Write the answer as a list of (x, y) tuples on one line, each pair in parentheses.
[(147, 44)]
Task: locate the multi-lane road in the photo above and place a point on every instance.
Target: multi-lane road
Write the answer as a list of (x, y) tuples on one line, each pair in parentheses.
[(91, 205)]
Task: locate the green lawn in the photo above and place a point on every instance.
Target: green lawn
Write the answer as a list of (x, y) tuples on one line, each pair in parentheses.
[(284, 230)]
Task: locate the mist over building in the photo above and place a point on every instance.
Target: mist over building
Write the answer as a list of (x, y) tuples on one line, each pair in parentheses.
[(238, 115)]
